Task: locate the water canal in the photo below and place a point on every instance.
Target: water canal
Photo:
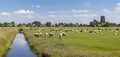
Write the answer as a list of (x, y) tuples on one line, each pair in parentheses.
[(20, 47)]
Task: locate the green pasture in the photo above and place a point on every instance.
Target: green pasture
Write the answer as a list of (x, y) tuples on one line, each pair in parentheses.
[(82, 44)]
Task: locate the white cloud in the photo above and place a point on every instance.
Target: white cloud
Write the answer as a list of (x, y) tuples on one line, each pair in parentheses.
[(118, 4), (5, 14), (36, 6), (107, 11), (75, 11), (117, 10), (80, 11), (74, 15), (21, 41), (23, 12), (85, 15), (87, 4), (52, 16)]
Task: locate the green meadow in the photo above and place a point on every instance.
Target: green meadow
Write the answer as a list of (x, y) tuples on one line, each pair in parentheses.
[(74, 44), (82, 44), (6, 37)]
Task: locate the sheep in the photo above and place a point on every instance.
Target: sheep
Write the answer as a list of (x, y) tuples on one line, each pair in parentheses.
[(116, 31), (66, 30), (46, 35), (38, 34), (61, 35), (115, 34), (83, 30), (71, 30), (92, 31), (51, 34)]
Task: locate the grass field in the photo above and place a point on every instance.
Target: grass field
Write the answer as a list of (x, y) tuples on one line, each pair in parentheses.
[(83, 44), (6, 37)]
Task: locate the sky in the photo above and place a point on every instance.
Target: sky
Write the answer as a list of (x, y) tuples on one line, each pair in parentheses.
[(55, 11)]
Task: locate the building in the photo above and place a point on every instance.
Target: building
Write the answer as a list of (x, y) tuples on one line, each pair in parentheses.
[(102, 21)]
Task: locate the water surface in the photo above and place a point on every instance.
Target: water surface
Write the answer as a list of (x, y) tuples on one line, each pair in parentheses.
[(20, 48)]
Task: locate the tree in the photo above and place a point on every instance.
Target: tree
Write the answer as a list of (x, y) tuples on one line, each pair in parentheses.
[(5, 24), (77, 24), (29, 25), (61, 24), (37, 23), (1, 24), (56, 25), (94, 23), (48, 24), (107, 24), (71, 24), (20, 25)]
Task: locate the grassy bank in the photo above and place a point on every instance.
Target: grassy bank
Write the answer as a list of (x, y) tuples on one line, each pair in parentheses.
[(83, 44), (6, 36)]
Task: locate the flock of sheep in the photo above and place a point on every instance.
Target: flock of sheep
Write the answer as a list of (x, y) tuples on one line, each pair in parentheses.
[(62, 32), (50, 34)]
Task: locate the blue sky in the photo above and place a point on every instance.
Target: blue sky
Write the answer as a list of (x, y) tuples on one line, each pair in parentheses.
[(75, 11)]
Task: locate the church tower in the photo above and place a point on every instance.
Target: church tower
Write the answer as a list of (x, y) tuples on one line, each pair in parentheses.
[(102, 21)]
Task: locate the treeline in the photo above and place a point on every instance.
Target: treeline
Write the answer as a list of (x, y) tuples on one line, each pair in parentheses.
[(93, 23), (96, 23)]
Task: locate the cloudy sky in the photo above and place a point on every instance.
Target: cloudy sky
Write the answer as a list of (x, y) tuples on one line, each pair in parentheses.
[(75, 11)]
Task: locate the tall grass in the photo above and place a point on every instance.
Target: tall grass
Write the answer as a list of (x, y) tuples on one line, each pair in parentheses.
[(6, 37)]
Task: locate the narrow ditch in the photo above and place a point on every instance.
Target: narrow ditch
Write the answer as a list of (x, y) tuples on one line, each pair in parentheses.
[(20, 47)]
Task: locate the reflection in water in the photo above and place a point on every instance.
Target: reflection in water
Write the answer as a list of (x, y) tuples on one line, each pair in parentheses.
[(20, 48)]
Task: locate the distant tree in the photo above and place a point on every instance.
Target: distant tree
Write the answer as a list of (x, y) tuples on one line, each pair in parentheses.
[(19, 25), (118, 24), (28, 25), (5, 24), (56, 25), (61, 24), (37, 23), (77, 24), (80, 25), (71, 24), (108, 24), (1, 24), (94, 23), (48, 24), (67, 25)]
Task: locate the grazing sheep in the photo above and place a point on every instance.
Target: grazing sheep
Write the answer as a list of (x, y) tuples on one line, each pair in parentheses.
[(99, 30), (71, 30), (38, 34), (116, 31), (83, 30), (51, 34), (61, 35), (46, 35), (92, 31), (66, 30), (115, 34)]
